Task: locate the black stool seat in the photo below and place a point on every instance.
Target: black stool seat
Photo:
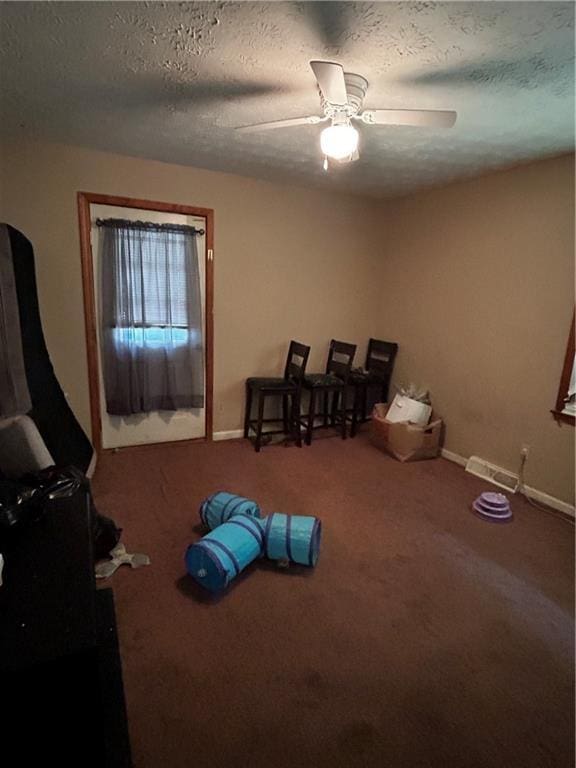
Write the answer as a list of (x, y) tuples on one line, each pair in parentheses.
[(271, 383), (322, 380), (366, 378)]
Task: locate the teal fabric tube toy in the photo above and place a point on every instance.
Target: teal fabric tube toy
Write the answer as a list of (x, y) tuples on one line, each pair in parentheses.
[(222, 554), (221, 506), (292, 537)]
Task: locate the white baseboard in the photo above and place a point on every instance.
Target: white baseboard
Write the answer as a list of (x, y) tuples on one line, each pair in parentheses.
[(454, 457), (533, 493), (550, 501), (233, 434)]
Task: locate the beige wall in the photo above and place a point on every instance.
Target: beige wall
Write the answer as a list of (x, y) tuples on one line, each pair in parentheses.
[(475, 281), (478, 289), (289, 262)]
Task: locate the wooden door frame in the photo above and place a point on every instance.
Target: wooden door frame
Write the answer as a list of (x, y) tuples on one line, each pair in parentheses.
[(85, 200)]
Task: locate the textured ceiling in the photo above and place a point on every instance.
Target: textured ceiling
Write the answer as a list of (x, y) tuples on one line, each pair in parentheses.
[(169, 81)]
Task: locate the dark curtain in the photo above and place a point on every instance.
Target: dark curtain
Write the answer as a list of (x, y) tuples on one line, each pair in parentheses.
[(151, 319)]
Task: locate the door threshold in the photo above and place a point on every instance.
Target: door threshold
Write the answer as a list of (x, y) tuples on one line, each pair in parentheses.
[(155, 445)]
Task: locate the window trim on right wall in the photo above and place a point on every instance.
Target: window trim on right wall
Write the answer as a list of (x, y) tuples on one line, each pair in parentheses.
[(558, 412)]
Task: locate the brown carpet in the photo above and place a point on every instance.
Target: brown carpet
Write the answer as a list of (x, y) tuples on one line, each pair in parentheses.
[(424, 637)]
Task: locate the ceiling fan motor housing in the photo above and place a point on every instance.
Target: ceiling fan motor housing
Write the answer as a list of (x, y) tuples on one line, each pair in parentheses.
[(356, 87)]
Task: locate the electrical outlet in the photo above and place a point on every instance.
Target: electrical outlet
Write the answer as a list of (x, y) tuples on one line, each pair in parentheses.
[(524, 450)]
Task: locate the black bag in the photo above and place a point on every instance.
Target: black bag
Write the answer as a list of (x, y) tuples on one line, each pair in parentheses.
[(105, 533), (26, 500)]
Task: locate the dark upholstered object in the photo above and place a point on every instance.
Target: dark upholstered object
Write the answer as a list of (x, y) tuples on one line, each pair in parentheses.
[(14, 395), (63, 435)]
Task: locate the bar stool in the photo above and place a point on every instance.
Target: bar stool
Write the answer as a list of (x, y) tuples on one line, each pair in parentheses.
[(334, 381), (288, 388), (379, 366)]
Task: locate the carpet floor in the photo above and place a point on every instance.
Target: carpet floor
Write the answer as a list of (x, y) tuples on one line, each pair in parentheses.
[(425, 636)]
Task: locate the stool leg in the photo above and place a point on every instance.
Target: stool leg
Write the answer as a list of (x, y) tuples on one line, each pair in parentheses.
[(311, 414), (355, 407), (343, 413), (334, 409), (325, 409), (295, 426), (247, 411), (261, 401), (285, 420)]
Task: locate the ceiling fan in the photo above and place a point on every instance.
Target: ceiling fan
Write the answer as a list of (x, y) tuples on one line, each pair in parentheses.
[(341, 98)]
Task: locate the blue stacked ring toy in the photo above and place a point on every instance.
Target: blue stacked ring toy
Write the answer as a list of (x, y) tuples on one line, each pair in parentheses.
[(292, 537), (221, 506), (222, 554)]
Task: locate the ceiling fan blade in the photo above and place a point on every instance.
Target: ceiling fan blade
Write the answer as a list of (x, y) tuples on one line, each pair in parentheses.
[(312, 120), (330, 21), (330, 77), (539, 69), (423, 118)]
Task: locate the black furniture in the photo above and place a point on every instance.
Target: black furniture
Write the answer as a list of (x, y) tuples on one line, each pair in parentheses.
[(288, 388), (333, 382), (380, 359), (60, 670), (59, 428)]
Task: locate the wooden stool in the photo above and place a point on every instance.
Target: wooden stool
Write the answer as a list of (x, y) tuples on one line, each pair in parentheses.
[(379, 366), (335, 382), (288, 388)]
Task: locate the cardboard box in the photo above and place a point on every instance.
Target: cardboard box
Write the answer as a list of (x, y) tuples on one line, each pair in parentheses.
[(405, 441)]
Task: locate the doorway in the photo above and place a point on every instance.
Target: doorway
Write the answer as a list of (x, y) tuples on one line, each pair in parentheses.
[(114, 431)]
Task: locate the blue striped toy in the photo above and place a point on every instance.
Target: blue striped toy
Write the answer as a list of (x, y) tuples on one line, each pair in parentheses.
[(221, 506), (222, 554), (292, 537)]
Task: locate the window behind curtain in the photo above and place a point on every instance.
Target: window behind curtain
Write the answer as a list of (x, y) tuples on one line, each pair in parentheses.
[(151, 318), (162, 299), (159, 313)]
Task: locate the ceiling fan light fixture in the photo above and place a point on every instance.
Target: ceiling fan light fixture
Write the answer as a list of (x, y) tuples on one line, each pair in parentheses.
[(339, 141)]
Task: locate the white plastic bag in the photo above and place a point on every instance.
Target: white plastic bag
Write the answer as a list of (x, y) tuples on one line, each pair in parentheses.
[(404, 409)]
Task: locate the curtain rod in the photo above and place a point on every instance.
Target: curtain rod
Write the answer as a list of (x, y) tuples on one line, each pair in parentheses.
[(148, 225)]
